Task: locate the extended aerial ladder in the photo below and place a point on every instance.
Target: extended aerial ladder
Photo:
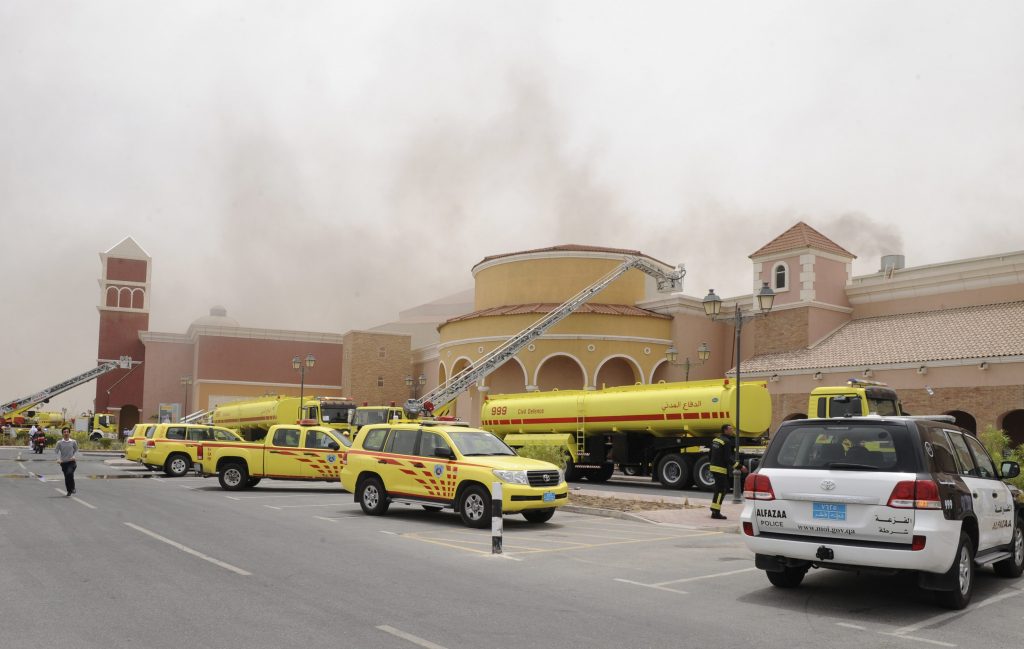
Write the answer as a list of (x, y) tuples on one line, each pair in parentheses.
[(18, 406), (443, 394)]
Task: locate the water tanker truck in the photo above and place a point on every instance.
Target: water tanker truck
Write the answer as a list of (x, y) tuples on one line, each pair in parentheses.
[(667, 427), (252, 418)]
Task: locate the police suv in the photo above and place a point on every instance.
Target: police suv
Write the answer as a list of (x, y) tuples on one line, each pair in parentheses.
[(881, 495)]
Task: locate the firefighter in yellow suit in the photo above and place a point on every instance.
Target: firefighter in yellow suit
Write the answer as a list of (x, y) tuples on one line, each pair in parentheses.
[(723, 461)]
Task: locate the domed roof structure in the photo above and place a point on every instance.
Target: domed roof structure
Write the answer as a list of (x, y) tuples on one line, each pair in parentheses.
[(218, 318)]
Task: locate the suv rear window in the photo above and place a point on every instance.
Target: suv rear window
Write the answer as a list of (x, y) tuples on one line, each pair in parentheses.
[(852, 446)]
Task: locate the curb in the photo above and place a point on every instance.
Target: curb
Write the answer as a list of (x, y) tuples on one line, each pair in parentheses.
[(607, 513)]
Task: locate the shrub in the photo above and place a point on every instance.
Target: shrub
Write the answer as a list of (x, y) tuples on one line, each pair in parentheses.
[(553, 454)]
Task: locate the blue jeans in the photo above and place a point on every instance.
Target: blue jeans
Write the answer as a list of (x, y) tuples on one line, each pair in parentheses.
[(69, 475)]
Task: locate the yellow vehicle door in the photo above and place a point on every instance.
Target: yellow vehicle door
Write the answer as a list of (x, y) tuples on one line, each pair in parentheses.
[(435, 469), (322, 461), (282, 457), (398, 459)]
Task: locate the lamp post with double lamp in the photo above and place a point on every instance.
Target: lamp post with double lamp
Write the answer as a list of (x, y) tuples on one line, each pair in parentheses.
[(713, 307), (300, 364), (186, 381), (703, 353), (415, 385)]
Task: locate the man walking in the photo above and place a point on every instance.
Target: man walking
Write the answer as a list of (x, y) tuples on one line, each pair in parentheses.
[(723, 461), (67, 456)]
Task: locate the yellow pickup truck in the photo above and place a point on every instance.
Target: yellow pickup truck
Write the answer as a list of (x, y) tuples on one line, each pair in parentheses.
[(288, 452)]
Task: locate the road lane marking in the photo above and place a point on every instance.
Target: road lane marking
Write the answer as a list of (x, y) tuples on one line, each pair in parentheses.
[(717, 574), (852, 626), (917, 639), (410, 637), (654, 586), (335, 519), (300, 506), (185, 548), (273, 496), (1013, 592), (75, 498)]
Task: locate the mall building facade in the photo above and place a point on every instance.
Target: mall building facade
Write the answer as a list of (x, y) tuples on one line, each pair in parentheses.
[(949, 337)]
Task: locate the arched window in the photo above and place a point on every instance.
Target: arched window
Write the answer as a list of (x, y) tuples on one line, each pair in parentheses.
[(779, 274)]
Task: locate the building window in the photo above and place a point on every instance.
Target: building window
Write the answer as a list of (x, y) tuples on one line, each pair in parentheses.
[(380, 381), (382, 352), (780, 276)]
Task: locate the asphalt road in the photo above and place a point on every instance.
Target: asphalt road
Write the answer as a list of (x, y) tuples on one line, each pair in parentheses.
[(157, 562)]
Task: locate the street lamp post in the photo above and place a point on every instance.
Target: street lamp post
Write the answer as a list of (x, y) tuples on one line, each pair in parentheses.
[(300, 364), (713, 307), (415, 385), (703, 353), (186, 381)]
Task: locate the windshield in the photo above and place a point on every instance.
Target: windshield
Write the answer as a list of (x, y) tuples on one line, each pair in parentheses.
[(850, 447), (472, 443), (366, 417), (883, 407), (335, 414)]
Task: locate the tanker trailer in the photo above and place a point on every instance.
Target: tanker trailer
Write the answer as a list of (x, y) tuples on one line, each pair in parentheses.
[(252, 418), (665, 426)]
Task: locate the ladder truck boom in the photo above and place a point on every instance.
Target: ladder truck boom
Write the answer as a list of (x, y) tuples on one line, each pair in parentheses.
[(454, 386), (27, 403)]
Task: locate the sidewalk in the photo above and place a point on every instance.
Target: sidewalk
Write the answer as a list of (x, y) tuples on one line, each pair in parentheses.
[(690, 513)]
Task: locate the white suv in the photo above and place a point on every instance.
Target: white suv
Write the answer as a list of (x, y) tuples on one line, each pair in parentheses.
[(883, 495)]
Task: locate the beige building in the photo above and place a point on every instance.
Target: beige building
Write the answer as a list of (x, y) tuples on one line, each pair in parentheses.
[(948, 337)]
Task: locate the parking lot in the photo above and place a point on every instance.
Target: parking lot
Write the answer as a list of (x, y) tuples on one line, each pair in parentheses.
[(152, 561)]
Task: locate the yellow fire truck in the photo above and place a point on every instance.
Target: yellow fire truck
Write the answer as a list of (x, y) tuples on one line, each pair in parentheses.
[(252, 418)]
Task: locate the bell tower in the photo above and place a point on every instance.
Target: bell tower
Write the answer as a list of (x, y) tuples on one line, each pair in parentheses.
[(124, 312)]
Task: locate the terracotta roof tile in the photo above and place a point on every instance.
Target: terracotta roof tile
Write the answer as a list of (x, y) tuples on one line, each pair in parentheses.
[(520, 309), (974, 332), (802, 236)]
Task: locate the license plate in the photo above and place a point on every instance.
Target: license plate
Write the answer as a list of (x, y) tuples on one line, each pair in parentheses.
[(549, 496), (829, 511)]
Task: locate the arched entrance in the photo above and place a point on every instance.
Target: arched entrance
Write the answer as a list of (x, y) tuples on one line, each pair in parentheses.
[(128, 417), (510, 378), (560, 372), (964, 420), (1013, 423), (661, 373), (616, 371)]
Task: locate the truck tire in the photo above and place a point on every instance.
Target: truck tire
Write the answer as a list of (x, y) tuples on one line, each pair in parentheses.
[(702, 476), (539, 515), (233, 476), (475, 507), (372, 496), (629, 469), (962, 577), (1014, 566), (177, 465), (602, 474), (252, 482), (674, 471), (571, 474), (95, 437)]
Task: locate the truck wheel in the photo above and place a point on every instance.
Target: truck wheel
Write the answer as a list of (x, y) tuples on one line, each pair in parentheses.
[(1014, 566), (602, 474), (702, 475), (674, 471), (372, 497), (95, 437), (252, 482), (539, 515), (786, 578), (962, 574), (233, 476), (630, 469), (177, 465), (571, 474), (475, 507)]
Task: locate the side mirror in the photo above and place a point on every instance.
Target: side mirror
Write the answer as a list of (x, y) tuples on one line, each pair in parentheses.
[(1009, 470), (333, 446), (446, 453)]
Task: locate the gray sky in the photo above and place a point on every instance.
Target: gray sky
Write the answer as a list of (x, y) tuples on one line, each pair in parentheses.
[(322, 165)]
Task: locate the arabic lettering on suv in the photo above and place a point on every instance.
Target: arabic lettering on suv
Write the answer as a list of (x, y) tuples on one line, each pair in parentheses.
[(880, 496)]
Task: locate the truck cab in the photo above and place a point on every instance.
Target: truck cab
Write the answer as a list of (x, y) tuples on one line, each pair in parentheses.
[(856, 399)]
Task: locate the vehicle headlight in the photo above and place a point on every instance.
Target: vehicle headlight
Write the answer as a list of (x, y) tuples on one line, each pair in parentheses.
[(512, 477), (561, 476)]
